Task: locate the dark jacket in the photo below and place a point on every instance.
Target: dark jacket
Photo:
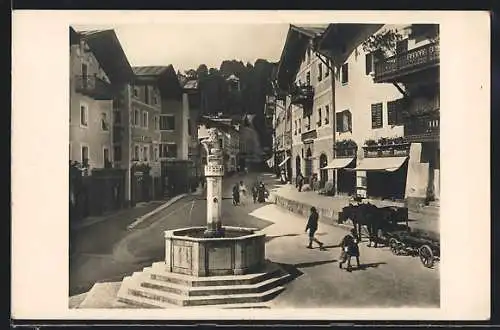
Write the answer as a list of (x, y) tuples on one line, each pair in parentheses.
[(350, 243), (312, 223)]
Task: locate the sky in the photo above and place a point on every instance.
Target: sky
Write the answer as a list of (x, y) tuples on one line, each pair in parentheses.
[(186, 46)]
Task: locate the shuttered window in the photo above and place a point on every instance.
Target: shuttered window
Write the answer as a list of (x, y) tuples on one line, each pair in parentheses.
[(394, 112), (339, 121), (377, 115)]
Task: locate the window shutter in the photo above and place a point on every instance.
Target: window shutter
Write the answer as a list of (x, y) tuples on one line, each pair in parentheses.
[(377, 115), (392, 113), (338, 121), (349, 120), (399, 111)]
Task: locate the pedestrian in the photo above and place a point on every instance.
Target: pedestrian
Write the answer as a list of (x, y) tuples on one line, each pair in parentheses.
[(299, 181), (243, 192), (255, 192), (261, 194), (349, 248), (236, 195), (312, 226), (283, 176)]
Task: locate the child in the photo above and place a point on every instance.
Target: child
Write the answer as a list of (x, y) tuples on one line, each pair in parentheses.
[(350, 248)]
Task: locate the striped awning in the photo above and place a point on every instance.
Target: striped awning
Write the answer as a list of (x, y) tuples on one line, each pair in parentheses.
[(387, 164), (338, 163)]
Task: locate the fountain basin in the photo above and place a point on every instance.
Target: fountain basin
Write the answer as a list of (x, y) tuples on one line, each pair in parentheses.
[(240, 251)]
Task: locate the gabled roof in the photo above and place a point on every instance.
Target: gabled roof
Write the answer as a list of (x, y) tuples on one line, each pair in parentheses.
[(297, 40), (339, 40), (150, 70), (108, 51), (164, 76)]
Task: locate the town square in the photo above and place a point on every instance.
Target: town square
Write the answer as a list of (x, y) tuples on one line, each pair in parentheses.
[(311, 179)]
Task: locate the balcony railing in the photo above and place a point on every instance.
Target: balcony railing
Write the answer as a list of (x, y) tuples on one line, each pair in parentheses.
[(94, 87), (302, 95), (405, 63), (345, 152), (309, 135), (422, 128)]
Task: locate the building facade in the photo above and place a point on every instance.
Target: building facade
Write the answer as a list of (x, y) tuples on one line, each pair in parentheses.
[(381, 103), (99, 70), (308, 81)]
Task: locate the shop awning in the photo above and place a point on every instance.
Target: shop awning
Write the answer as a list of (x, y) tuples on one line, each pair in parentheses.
[(338, 163), (283, 162), (389, 164)]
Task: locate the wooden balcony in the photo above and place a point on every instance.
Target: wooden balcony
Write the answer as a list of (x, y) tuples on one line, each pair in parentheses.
[(422, 128), (302, 95), (345, 152), (94, 87), (397, 67), (310, 135)]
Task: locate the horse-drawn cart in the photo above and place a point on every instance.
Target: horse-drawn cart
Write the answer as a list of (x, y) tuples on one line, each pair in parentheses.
[(414, 244)]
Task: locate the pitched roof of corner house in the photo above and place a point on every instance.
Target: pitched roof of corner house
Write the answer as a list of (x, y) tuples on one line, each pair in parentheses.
[(151, 70), (297, 39), (164, 76), (339, 40), (108, 51)]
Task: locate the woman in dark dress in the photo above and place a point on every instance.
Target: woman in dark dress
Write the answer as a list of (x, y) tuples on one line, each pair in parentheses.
[(236, 195), (261, 195)]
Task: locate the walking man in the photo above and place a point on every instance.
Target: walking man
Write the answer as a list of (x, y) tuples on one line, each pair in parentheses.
[(299, 181), (312, 226)]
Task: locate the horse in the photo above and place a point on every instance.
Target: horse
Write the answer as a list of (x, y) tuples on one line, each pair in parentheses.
[(375, 219)]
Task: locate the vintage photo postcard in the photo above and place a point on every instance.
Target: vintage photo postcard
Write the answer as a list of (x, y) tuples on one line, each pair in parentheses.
[(271, 165)]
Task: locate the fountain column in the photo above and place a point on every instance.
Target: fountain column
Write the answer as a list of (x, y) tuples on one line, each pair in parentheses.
[(214, 171)]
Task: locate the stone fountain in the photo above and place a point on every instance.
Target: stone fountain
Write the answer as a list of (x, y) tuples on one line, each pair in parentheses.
[(214, 265)]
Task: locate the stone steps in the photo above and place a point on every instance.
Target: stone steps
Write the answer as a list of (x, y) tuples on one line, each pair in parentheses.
[(214, 290), (158, 272), (154, 287)]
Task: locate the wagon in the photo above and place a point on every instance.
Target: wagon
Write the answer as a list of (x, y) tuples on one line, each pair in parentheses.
[(414, 244)]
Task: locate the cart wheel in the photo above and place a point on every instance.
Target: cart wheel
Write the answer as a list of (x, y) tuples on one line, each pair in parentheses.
[(394, 244), (426, 256)]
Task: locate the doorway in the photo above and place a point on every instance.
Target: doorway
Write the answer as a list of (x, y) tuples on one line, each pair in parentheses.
[(323, 174), (308, 169), (297, 166)]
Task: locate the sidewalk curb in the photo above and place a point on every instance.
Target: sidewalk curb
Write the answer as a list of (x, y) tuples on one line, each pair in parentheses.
[(326, 221), (158, 209)]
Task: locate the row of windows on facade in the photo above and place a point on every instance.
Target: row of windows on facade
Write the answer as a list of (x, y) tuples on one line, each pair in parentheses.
[(344, 72), (401, 46), (150, 97), (344, 69), (344, 118), (141, 153), (162, 122)]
